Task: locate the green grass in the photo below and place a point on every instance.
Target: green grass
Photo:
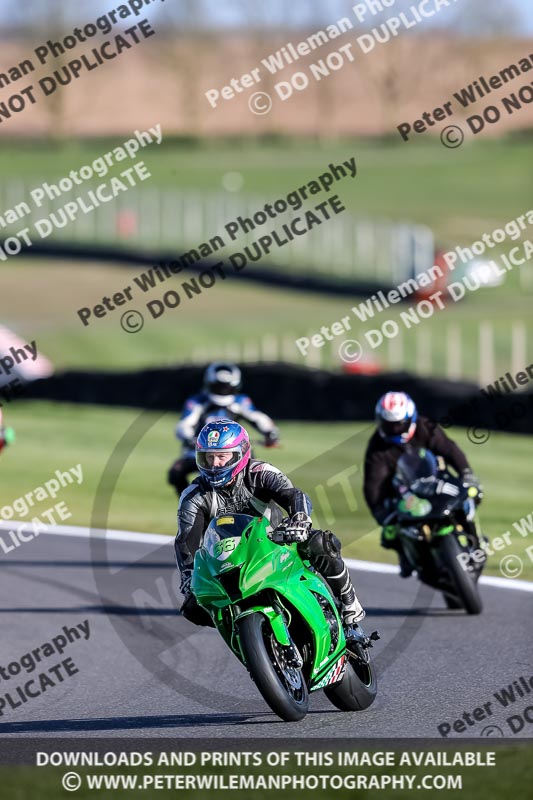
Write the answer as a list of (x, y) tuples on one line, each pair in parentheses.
[(42, 300), (460, 193), (317, 456)]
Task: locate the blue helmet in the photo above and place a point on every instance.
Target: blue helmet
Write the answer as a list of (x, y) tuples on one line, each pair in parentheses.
[(224, 437), (396, 417)]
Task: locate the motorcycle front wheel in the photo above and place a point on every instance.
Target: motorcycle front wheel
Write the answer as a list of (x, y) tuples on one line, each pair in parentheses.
[(464, 584), (283, 687)]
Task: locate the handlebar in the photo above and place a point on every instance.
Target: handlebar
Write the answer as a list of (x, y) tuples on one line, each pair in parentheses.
[(278, 536)]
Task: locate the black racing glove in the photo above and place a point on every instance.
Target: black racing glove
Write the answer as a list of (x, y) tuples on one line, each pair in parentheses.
[(386, 512), (297, 528), (427, 487), (469, 479), (470, 482)]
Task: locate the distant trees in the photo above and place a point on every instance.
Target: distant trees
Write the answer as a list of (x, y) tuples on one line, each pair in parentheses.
[(193, 39), (40, 20)]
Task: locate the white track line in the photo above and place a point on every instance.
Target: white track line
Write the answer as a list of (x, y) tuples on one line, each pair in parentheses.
[(156, 538)]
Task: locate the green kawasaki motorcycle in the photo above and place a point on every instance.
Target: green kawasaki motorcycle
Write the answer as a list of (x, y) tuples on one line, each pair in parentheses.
[(435, 519), (280, 618)]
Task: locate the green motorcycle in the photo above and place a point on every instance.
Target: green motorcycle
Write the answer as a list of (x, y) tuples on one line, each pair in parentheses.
[(280, 618)]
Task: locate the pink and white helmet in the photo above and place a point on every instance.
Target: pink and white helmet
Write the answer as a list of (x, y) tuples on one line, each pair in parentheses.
[(396, 417), (222, 436)]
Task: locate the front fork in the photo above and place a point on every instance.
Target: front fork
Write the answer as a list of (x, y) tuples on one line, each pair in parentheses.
[(279, 628), (474, 543), (276, 619)]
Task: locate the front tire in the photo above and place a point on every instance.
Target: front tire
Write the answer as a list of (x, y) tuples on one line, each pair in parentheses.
[(467, 591), (452, 602), (359, 686), (283, 688)]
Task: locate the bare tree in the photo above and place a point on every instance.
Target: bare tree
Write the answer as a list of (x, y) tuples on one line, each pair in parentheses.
[(415, 60), (184, 49), (37, 21)]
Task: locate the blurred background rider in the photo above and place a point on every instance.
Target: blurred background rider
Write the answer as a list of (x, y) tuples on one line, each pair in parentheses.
[(7, 435), (220, 398), (400, 428)]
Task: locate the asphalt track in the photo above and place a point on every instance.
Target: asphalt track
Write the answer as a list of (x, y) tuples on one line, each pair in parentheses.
[(145, 672)]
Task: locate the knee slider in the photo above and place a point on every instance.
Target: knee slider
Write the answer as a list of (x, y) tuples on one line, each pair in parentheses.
[(323, 543), (331, 544)]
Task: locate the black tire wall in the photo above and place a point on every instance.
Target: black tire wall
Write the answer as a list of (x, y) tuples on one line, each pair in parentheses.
[(290, 392)]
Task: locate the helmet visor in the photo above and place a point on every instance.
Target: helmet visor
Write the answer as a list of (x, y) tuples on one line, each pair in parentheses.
[(395, 428), (218, 460), (222, 388)]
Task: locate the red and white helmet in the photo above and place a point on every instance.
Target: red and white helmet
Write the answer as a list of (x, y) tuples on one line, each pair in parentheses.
[(396, 417)]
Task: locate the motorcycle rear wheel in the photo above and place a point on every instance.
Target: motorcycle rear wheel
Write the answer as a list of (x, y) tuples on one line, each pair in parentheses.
[(283, 688), (358, 688)]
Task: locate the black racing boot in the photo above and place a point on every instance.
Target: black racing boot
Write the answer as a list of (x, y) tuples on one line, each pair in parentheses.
[(406, 570), (343, 588)]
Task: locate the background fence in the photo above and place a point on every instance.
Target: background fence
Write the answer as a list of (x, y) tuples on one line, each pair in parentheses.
[(492, 349), (462, 346), (370, 250)]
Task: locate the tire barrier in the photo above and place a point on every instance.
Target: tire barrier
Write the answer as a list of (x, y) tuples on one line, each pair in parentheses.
[(292, 392)]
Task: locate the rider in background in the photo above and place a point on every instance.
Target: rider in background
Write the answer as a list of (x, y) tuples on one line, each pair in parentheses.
[(7, 435), (399, 428), (231, 482), (219, 398)]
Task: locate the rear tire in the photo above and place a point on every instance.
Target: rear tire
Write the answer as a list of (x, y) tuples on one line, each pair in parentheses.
[(358, 688), (284, 689), (465, 584)]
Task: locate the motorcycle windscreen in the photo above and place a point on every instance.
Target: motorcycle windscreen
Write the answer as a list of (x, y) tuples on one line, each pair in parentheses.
[(413, 465), (224, 533)]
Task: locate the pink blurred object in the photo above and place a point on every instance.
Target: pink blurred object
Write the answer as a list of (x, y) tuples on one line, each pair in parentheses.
[(127, 224), (25, 369)]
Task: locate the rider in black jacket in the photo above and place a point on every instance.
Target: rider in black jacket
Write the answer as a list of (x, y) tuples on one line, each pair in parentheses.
[(231, 482), (399, 428)]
